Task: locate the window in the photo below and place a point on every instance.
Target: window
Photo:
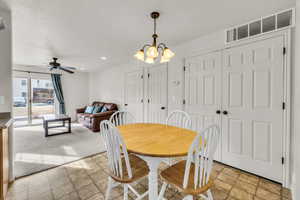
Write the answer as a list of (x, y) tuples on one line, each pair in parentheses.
[(48, 85), (31, 103), (267, 24), (23, 82), (255, 28), (243, 32)]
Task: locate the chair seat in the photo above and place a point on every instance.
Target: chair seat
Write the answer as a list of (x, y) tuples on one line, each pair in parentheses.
[(174, 175), (139, 170)]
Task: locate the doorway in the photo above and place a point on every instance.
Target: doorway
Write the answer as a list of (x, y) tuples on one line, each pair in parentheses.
[(33, 97), (146, 93), (241, 88), (134, 94), (157, 94)]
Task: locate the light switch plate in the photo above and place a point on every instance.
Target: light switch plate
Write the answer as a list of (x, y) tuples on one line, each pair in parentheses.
[(2, 100)]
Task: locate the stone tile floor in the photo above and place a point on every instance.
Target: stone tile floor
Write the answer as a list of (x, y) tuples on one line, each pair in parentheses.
[(86, 180)]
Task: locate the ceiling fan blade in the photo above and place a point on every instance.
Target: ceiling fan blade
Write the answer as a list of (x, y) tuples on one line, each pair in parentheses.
[(66, 70), (71, 68)]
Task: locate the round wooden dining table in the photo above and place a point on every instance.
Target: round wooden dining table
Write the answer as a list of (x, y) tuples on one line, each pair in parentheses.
[(154, 143)]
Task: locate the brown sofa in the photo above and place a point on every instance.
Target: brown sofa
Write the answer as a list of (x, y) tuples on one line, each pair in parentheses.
[(92, 121)]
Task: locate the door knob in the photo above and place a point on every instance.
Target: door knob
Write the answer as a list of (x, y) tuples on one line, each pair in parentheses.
[(218, 112), (163, 108), (126, 104), (225, 112)]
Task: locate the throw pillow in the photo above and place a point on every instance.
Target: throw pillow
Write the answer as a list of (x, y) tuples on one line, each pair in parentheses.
[(104, 109), (97, 109), (89, 109)]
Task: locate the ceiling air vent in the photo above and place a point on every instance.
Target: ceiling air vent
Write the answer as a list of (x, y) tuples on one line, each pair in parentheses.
[(2, 25), (263, 25)]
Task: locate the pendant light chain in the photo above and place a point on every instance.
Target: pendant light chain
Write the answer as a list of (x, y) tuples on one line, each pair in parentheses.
[(154, 25)]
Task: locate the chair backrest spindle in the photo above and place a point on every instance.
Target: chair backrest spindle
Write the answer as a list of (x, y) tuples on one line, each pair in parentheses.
[(180, 119), (120, 118), (116, 149), (201, 154)]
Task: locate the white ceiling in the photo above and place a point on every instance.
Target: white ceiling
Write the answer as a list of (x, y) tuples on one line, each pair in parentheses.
[(79, 32)]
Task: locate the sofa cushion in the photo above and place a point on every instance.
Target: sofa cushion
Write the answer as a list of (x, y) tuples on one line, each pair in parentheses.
[(98, 103), (111, 106), (89, 109), (97, 109), (92, 121), (104, 109)]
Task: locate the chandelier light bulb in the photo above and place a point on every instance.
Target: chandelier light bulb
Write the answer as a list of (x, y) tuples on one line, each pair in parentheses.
[(168, 53), (152, 52), (149, 60), (163, 59), (140, 55)]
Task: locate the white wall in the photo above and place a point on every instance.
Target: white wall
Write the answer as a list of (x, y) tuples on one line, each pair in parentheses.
[(108, 85), (6, 62), (292, 140), (296, 109), (6, 74), (76, 91), (198, 46)]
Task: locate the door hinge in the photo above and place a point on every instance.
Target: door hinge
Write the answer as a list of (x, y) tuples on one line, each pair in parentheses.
[(148, 100), (148, 75), (142, 76), (282, 160), (284, 50), (142, 100), (184, 68), (283, 105), (183, 102)]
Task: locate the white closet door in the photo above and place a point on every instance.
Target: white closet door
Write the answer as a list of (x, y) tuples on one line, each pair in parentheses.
[(203, 91), (157, 94), (134, 94), (253, 95)]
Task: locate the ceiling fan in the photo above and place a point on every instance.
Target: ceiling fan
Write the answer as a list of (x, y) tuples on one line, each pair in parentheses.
[(55, 65)]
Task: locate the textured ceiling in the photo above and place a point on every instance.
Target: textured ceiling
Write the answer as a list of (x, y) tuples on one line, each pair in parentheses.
[(79, 32)]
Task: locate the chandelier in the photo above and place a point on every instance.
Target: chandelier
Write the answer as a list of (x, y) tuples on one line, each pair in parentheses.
[(153, 51)]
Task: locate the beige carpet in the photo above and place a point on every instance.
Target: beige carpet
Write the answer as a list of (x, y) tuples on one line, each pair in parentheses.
[(34, 152)]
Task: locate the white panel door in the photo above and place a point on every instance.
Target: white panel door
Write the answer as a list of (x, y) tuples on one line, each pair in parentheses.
[(134, 94), (252, 130), (157, 94), (203, 91)]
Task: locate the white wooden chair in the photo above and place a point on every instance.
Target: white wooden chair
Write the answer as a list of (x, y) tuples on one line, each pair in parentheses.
[(180, 119), (124, 168), (121, 118), (192, 177)]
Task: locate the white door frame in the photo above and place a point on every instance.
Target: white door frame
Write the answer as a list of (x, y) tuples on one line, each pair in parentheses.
[(286, 144)]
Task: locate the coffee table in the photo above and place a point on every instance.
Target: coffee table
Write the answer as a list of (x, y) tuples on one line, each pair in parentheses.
[(56, 118)]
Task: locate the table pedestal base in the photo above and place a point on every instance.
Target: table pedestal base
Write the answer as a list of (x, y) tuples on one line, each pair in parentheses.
[(153, 164)]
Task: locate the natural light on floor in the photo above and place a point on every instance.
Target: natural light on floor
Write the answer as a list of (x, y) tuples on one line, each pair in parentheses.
[(48, 159)]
